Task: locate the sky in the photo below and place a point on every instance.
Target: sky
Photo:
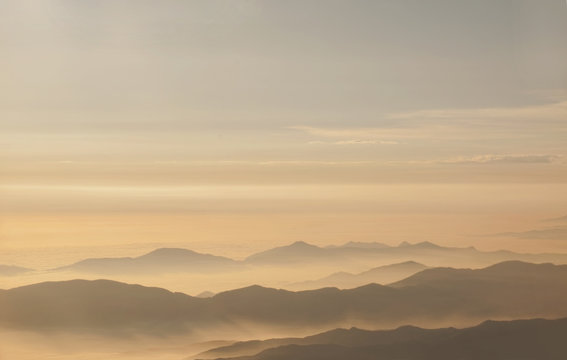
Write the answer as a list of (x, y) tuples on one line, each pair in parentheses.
[(233, 126)]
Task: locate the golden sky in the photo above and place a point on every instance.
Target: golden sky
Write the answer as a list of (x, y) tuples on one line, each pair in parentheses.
[(232, 126)]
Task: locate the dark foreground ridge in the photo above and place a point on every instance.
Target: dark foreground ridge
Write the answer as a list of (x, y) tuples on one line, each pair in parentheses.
[(520, 339)]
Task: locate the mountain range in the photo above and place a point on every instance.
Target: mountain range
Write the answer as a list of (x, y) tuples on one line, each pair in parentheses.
[(425, 252), (492, 340), (437, 296), (301, 254), (157, 261)]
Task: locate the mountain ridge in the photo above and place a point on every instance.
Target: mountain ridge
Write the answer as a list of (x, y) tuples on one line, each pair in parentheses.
[(506, 291), (11, 270), (300, 253), (494, 340), (158, 260), (380, 274)]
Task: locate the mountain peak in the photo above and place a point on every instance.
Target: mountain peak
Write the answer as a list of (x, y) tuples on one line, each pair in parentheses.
[(297, 251), (365, 245), (170, 252), (250, 292), (423, 245), (10, 270), (427, 244), (516, 266), (206, 294), (410, 262), (301, 244)]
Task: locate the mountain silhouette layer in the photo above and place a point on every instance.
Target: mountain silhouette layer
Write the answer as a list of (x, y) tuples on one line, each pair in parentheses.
[(434, 297), (521, 339), (352, 255), (300, 253), (10, 270), (344, 280), (159, 260)]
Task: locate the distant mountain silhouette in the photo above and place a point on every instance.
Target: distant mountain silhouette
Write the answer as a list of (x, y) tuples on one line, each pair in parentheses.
[(352, 255), (301, 253), (9, 270), (521, 339), (422, 245), (561, 219), (344, 280), (159, 260), (206, 294), (361, 245), (434, 296)]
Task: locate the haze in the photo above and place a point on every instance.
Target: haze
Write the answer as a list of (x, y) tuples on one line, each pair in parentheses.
[(213, 124), (299, 143)]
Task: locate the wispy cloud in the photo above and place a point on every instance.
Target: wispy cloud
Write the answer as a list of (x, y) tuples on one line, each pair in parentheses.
[(553, 111), (559, 233), (503, 159), (312, 163), (355, 142), (220, 163), (459, 124), (487, 160), (561, 219), (356, 133)]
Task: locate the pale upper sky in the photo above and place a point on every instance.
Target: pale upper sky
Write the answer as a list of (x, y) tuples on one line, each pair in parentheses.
[(109, 109)]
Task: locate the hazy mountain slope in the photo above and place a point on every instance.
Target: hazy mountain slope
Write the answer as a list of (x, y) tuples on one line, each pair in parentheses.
[(159, 260), (322, 307), (99, 305), (9, 270), (381, 275), (343, 337), (434, 297), (509, 287), (522, 339), (516, 271), (503, 291), (297, 252)]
